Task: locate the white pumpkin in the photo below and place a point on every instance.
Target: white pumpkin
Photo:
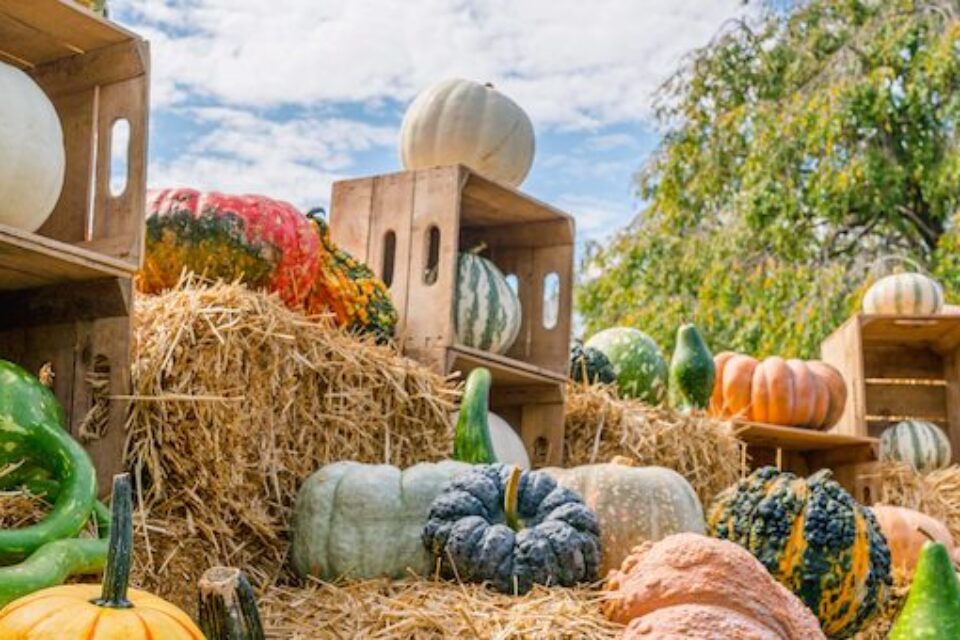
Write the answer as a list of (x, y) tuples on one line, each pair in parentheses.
[(633, 504), (465, 122), (905, 294), (507, 445), (32, 157)]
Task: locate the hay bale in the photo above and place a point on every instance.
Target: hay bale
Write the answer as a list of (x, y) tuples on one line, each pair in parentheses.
[(936, 493), (600, 425), (237, 399), (423, 609)]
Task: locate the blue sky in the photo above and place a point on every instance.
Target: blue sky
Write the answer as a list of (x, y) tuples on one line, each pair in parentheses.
[(284, 97)]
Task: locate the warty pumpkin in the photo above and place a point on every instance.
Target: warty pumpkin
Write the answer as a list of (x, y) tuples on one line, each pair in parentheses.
[(32, 156), (791, 392), (512, 529), (633, 504), (689, 587), (92, 612), (464, 122), (906, 531), (814, 538), (364, 520)]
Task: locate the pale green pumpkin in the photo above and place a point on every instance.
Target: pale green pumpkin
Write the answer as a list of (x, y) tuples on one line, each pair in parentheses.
[(364, 520)]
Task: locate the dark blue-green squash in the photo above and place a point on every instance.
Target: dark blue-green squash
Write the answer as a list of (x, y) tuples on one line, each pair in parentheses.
[(589, 365), (512, 529)]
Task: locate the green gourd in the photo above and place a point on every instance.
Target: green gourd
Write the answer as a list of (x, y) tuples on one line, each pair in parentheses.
[(932, 610), (692, 371), (48, 461), (471, 439)]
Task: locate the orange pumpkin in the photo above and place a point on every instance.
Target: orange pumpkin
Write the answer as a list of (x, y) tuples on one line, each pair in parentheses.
[(776, 391), (906, 532)]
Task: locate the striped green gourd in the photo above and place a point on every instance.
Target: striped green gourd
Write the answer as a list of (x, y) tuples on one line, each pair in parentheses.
[(487, 311), (916, 442), (904, 294)]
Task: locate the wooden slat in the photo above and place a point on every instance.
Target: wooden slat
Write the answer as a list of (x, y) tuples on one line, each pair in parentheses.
[(65, 21), (487, 202), (939, 331), (67, 302), (902, 362), (392, 208), (121, 218), (952, 373), (28, 45), (524, 235), (505, 371), (111, 64), (922, 402), (794, 439), (28, 260), (842, 349), (78, 117), (351, 204)]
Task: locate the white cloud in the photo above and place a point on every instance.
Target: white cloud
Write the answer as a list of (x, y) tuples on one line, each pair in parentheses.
[(570, 63), (596, 218), (295, 159)]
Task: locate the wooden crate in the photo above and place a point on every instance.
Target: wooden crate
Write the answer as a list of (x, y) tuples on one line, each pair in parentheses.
[(803, 451), (410, 226), (65, 291), (898, 368)]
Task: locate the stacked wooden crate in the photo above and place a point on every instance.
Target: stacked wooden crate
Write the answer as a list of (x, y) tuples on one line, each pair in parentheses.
[(65, 291), (414, 223)]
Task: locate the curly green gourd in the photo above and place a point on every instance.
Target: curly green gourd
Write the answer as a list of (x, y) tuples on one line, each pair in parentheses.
[(44, 459)]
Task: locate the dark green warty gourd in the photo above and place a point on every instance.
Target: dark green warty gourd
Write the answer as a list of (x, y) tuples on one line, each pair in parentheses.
[(512, 529), (590, 365), (814, 538)]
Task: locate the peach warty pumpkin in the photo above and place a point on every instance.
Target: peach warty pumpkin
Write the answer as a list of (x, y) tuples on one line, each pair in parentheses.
[(795, 393)]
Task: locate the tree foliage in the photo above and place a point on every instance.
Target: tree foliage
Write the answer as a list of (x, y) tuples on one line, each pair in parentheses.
[(799, 148)]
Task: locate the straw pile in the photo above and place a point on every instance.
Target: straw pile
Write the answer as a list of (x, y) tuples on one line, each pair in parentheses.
[(421, 609), (936, 493), (236, 401), (599, 426)]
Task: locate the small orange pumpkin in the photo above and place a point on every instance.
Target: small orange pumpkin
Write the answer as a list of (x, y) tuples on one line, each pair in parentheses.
[(92, 612)]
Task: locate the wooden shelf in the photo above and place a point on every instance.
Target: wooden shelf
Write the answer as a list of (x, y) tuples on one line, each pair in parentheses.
[(941, 332), (794, 439), (29, 261), (506, 372)]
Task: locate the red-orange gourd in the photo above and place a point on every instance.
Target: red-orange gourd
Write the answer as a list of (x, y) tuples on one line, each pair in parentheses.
[(792, 392), (698, 588), (906, 532)]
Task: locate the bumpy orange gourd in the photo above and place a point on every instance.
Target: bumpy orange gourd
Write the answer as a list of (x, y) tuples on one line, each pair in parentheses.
[(698, 588), (792, 392), (906, 532)]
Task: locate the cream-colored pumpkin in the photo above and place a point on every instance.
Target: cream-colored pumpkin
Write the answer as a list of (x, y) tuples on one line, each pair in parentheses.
[(507, 445), (32, 157), (905, 294), (633, 504), (465, 122)]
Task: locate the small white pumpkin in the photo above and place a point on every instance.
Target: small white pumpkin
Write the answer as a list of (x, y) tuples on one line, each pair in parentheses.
[(507, 445), (921, 444), (905, 294), (32, 157), (465, 122)]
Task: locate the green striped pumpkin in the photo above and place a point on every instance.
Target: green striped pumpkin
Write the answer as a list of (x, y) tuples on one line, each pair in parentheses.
[(905, 294), (487, 311), (916, 442)]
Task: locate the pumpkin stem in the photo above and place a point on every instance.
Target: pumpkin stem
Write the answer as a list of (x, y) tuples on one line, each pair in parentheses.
[(488, 85), (228, 609), (510, 496), (116, 576), (478, 249), (471, 438)]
